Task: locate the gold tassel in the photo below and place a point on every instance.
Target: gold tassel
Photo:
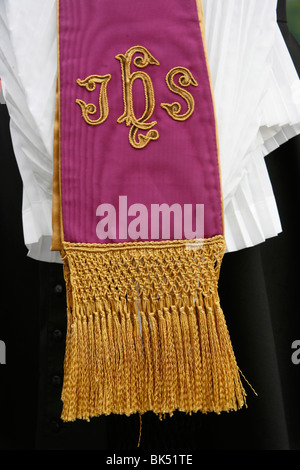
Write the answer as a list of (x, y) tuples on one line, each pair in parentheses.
[(146, 331)]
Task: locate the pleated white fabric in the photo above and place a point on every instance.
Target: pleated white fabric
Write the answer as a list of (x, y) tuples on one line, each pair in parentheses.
[(257, 100), (28, 56), (256, 93)]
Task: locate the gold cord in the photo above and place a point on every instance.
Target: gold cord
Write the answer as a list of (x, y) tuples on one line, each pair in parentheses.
[(146, 331)]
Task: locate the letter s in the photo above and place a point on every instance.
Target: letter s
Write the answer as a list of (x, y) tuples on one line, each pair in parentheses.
[(186, 79)]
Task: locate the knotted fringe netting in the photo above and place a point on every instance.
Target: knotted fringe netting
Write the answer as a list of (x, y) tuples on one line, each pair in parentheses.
[(146, 330)]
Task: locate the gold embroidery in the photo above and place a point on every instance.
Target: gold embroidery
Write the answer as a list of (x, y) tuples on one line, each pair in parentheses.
[(138, 139), (128, 79), (185, 80), (89, 108)]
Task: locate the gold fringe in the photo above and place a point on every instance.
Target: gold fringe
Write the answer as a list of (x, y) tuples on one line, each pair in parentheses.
[(146, 330)]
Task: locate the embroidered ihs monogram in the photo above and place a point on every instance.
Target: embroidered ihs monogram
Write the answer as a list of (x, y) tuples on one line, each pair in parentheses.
[(137, 125)]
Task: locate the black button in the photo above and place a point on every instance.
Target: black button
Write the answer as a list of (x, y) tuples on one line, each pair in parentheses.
[(56, 380), (58, 289), (57, 334), (54, 425)]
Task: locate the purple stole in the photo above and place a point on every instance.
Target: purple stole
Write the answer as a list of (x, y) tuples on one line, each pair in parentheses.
[(137, 212)]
